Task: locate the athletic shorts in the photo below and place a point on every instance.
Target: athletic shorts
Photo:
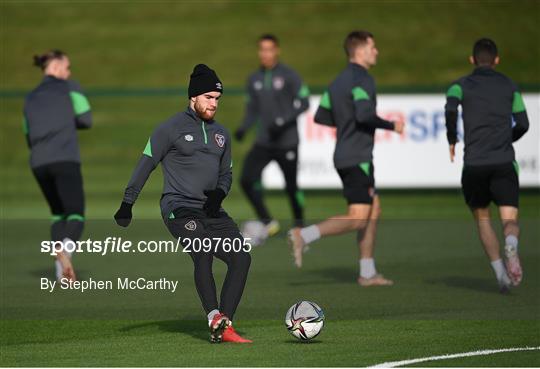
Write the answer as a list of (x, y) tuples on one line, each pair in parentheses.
[(358, 183), (498, 183), (191, 224), (62, 185)]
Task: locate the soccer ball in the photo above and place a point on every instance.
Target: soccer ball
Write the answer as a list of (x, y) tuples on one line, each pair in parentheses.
[(256, 231), (304, 320)]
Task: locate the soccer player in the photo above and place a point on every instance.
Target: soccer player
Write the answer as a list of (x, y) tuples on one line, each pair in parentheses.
[(276, 97), (489, 100), (53, 111), (350, 105), (195, 155)]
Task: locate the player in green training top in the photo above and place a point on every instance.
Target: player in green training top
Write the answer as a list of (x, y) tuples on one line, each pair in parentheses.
[(195, 154), (494, 116), (350, 105), (276, 97), (53, 112)]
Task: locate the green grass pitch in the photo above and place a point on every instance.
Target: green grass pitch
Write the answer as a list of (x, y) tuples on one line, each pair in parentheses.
[(445, 299)]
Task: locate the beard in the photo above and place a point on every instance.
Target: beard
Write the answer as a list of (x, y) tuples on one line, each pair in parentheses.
[(204, 113)]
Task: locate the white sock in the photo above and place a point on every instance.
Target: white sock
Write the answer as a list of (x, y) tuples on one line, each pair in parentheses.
[(59, 270), (211, 315), (512, 241), (310, 234), (498, 268), (367, 268), (71, 242)]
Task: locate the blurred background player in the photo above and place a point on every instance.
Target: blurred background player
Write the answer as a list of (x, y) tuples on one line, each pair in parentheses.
[(195, 154), (276, 97), (489, 100), (350, 105), (53, 112)]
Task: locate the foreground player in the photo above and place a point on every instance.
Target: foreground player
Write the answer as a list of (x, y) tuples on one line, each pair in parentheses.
[(276, 97), (350, 105), (489, 101), (195, 154), (53, 112)]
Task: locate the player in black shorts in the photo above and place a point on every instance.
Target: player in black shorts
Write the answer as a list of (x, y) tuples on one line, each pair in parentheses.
[(494, 116), (276, 97), (195, 154), (350, 105), (53, 112)]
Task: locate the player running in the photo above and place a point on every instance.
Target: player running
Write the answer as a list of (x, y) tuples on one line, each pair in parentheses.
[(489, 100), (276, 97), (195, 155), (53, 111), (350, 105)]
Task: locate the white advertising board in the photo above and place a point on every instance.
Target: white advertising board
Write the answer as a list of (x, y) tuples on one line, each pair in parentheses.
[(418, 158)]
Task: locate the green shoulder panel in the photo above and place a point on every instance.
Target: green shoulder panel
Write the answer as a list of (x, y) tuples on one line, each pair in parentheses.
[(303, 92), (359, 94), (148, 149), (80, 102), (455, 91), (325, 101), (518, 105)]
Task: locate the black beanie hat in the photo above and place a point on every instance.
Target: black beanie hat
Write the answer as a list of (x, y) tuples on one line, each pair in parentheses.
[(203, 79)]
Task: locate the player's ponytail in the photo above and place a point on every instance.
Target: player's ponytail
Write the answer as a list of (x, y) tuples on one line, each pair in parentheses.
[(42, 61)]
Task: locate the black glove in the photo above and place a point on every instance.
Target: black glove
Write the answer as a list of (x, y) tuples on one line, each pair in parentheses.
[(239, 134), (213, 202), (123, 215)]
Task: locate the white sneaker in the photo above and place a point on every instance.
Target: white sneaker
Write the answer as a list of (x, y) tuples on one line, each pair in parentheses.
[(273, 228)]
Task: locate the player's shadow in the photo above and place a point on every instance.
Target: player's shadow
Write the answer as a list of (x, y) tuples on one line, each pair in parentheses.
[(470, 283), (316, 341), (330, 275), (194, 327), (50, 274)]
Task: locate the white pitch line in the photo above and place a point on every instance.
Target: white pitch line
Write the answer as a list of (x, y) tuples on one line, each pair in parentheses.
[(395, 364)]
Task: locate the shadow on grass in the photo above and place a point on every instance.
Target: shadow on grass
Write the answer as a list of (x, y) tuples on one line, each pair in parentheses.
[(298, 342), (194, 327), (51, 274), (470, 283), (331, 275)]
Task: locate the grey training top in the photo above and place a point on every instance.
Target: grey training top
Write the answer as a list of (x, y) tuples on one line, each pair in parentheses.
[(489, 100), (276, 97), (195, 156), (53, 112), (350, 104)]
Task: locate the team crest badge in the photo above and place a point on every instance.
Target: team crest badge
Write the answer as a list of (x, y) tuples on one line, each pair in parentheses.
[(278, 82), (188, 138), (191, 225), (220, 140)]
